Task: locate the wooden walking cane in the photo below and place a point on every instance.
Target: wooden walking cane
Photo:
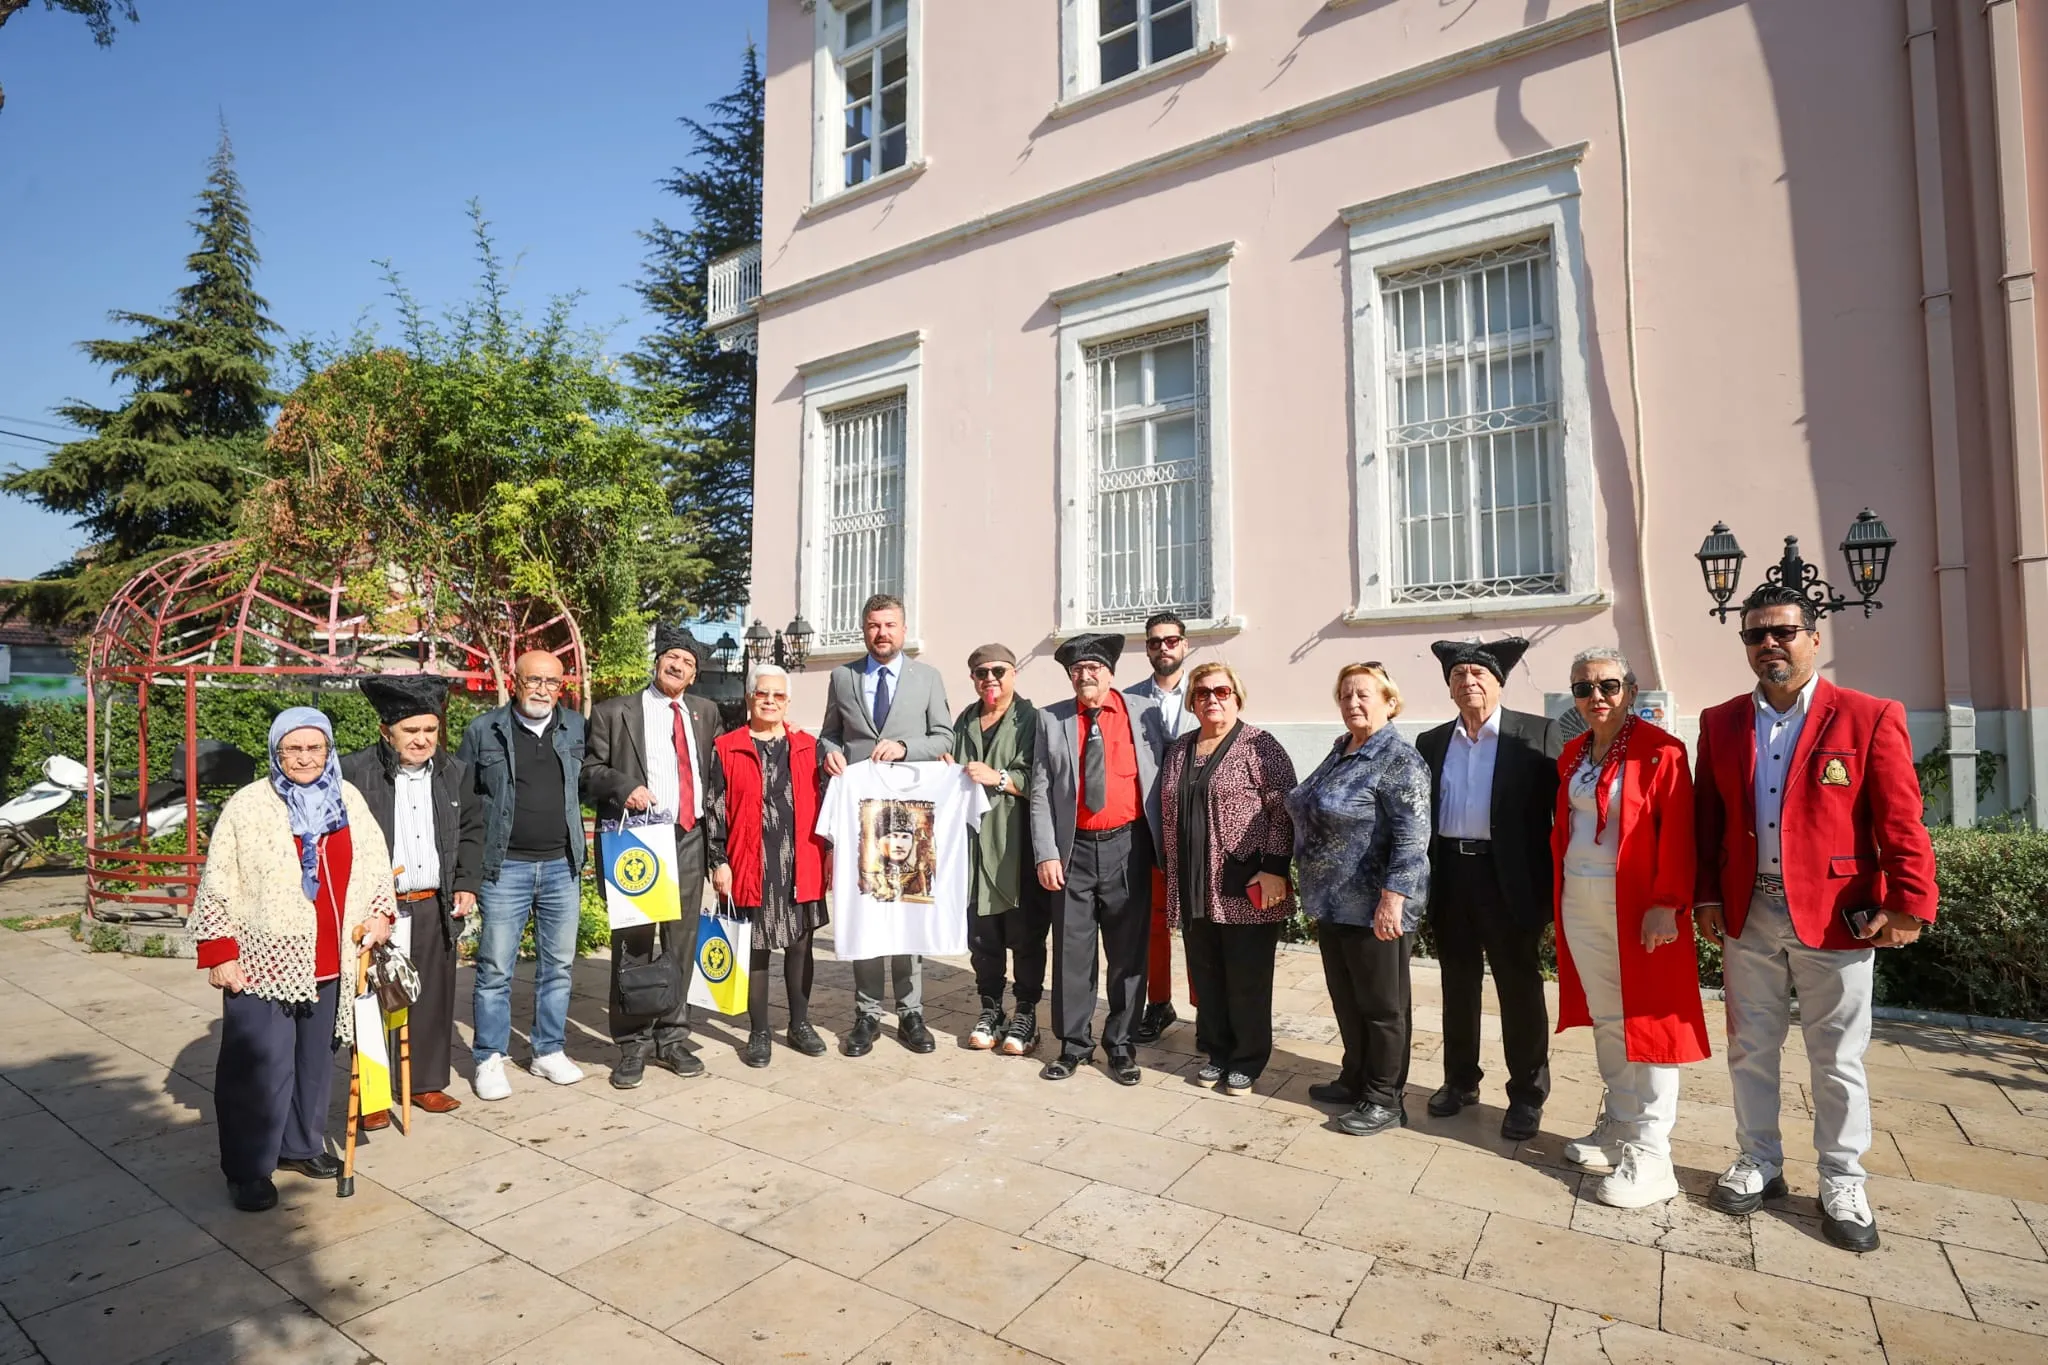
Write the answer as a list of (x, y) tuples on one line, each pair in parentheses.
[(405, 1074), (346, 1185)]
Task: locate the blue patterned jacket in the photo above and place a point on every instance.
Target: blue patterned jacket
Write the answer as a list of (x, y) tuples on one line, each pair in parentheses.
[(1361, 824)]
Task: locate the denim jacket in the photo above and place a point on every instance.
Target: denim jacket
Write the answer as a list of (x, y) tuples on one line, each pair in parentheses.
[(1362, 823), (487, 749)]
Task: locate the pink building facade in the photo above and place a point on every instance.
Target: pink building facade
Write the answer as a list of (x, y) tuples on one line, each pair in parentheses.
[(1312, 322)]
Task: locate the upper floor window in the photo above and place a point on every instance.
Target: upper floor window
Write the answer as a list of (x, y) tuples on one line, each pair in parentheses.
[(864, 92), (1133, 34), (1472, 424), (875, 75), (1149, 526), (1103, 42)]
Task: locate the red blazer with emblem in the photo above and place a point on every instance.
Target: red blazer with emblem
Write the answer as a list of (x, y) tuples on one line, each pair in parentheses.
[(743, 795), (1851, 835), (1662, 1018)]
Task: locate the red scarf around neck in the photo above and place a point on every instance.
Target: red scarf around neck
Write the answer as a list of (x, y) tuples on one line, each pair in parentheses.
[(1603, 782)]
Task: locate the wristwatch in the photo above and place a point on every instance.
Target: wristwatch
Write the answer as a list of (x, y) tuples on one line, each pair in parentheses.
[(1003, 783)]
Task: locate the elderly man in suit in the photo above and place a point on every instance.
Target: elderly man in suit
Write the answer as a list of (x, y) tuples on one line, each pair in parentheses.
[(1095, 832), (433, 823), (651, 750), (1494, 772), (892, 710), (1166, 650), (1807, 809)]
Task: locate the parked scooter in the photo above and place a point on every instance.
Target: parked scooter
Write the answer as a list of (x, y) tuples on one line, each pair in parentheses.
[(32, 816)]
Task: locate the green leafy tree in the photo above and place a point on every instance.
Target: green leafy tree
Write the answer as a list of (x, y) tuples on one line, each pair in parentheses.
[(100, 18), (166, 468), (700, 399), (496, 460)]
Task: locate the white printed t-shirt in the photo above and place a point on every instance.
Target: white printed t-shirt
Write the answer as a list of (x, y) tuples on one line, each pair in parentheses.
[(899, 835)]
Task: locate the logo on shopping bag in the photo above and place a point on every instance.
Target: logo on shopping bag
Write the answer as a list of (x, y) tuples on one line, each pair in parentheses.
[(714, 957), (635, 870)]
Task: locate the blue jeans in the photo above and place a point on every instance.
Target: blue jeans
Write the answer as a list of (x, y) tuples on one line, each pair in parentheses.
[(548, 892)]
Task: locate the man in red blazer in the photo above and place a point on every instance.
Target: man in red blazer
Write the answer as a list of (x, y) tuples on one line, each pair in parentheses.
[(1811, 855)]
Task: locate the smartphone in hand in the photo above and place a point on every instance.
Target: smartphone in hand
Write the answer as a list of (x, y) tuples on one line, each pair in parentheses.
[(1861, 922), (1255, 895)]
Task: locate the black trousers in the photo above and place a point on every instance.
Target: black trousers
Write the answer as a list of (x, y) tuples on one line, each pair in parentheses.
[(1368, 982), (275, 1073), (799, 968), (1108, 897), (430, 1023), (1023, 933), (1231, 968), (1476, 930), (631, 947)]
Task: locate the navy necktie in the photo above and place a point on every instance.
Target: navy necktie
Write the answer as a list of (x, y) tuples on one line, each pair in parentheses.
[(1094, 769), (882, 700)]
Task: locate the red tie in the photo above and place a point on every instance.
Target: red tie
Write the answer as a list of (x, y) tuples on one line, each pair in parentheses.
[(686, 784)]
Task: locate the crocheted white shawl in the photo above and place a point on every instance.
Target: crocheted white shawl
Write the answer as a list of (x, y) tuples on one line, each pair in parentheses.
[(251, 892)]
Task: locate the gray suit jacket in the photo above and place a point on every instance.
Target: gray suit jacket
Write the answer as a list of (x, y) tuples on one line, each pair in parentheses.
[(1056, 776), (918, 717), (1150, 689)]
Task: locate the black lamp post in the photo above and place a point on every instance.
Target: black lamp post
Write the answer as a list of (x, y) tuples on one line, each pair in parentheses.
[(1867, 550), (786, 648), (726, 652)]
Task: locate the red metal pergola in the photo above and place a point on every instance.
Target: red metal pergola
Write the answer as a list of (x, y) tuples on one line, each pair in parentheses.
[(208, 617)]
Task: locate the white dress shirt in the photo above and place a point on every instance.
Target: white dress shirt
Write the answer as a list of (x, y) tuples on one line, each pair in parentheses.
[(415, 859), (1173, 708), (664, 778), (871, 676), (1777, 736), (1464, 801)]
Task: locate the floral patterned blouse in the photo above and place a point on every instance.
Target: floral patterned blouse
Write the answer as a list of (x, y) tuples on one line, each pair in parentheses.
[(1361, 824)]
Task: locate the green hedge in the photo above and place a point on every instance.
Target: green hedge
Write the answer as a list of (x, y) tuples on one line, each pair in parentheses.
[(1987, 952)]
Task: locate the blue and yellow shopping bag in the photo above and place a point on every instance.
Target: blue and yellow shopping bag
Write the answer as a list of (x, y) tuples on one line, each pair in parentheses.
[(720, 982), (639, 865)]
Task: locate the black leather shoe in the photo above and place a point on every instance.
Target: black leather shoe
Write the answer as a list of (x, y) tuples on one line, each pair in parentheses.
[(680, 1060), (321, 1167), (860, 1039), (631, 1070), (1156, 1020), (1123, 1069), (253, 1196), (1368, 1119), (911, 1032), (760, 1046), (1330, 1092), (1449, 1099), (805, 1039), (1521, 1122), (1063, 1066)]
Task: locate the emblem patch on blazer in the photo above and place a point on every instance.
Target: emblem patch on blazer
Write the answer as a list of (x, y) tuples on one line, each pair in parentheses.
[(1834, 773)]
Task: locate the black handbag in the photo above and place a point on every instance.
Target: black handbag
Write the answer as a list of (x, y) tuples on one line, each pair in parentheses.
[(652, 988)]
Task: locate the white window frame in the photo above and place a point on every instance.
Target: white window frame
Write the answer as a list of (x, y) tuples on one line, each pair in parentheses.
[(1080, 60), (832, 384), (1533, 196), (828, 102), (1130, 303)]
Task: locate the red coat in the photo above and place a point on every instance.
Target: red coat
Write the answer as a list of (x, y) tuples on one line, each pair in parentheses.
[(1851, 835), (742, 767), (1663, 1019)]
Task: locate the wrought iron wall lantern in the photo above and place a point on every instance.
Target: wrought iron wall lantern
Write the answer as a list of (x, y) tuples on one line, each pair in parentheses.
[(1867, 550), (787, 648)]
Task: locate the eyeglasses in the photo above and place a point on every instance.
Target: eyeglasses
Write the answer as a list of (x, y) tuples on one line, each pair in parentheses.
[(991, 673), (1224, 692), (302, 750), (770, 696), (1608, 687), (1784, 635), (541, 684), (1086, 670), (1164, 641)]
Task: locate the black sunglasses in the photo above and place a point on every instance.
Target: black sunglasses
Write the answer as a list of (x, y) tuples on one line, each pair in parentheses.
[(1164, 641), (991, 673), (1784, 635), (1608, 687)]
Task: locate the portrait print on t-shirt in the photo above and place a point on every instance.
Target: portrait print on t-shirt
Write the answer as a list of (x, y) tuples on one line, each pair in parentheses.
[(898, 850)]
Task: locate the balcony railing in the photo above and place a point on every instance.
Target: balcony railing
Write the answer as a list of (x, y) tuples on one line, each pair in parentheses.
[(733, 294)]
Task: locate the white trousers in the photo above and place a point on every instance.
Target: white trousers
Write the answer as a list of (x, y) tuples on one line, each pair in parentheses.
[(1642, 1098), (1761, 971)]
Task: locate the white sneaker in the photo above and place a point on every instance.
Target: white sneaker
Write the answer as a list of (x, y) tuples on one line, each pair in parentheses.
[(491, 1082), (1744, 1186), (1641, 1178), (1846, 1219), (1600, 1149), (556, 1067)]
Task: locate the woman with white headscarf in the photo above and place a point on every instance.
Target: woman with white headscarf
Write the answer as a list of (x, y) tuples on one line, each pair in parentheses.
[(296, 866)]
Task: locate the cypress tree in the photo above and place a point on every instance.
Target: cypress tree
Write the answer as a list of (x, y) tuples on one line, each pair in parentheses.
[(702, 400), (165, 469)]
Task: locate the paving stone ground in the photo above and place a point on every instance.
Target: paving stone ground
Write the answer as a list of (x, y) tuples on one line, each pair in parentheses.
[(954, 1208)]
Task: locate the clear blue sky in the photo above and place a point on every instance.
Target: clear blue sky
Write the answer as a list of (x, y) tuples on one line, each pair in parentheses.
[(360, 131)]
